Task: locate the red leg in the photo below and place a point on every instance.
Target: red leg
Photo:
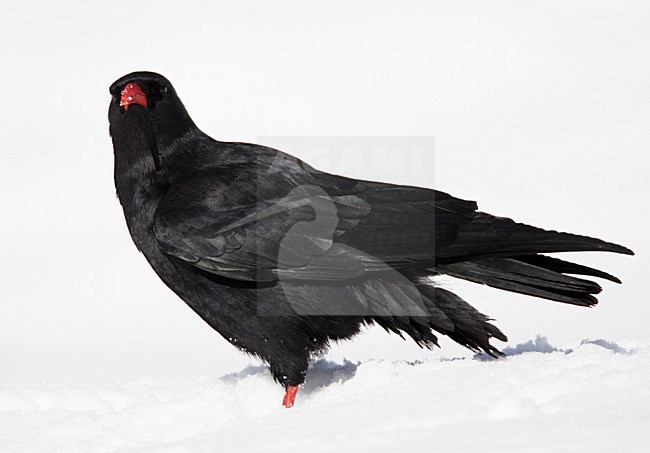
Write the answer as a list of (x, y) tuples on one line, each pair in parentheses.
[(290, 396)]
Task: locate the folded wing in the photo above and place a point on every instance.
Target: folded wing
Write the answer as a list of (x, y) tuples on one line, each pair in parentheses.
[(257, 223)]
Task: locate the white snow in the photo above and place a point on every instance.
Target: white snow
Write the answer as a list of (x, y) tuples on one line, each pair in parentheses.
[(593, 396)]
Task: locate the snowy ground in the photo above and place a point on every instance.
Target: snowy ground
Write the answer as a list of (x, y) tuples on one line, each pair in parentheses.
[(594, 396)]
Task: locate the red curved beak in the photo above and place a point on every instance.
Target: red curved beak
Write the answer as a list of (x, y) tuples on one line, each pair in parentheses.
[(132, 94)]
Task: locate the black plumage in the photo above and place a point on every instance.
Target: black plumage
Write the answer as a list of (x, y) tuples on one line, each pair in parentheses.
[(281, 259)]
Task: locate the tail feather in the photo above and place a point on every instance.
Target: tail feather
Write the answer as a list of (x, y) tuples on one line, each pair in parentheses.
[(564, 267), (534, 276), (490, 236)]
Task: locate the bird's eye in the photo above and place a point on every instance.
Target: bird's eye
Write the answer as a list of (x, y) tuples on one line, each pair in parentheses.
[(162, 90)]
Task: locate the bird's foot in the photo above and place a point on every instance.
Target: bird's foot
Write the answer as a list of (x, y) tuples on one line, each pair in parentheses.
[(290, 396)]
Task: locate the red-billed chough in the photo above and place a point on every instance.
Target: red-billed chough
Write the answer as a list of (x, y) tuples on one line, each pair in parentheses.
[(282, 259)]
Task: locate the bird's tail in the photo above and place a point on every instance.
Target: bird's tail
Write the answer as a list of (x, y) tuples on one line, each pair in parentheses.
[(533, 275)]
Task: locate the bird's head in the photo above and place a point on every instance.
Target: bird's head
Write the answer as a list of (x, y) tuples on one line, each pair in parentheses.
[(146, 115)]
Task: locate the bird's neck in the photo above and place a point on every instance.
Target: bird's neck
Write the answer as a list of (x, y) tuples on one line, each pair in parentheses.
[(139, 180), (139, 195), (143, 174)]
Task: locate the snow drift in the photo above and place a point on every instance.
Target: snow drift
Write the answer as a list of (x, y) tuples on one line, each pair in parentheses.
[(594, 396)]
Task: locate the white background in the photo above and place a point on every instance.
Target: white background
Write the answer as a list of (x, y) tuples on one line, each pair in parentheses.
[(540, 111)]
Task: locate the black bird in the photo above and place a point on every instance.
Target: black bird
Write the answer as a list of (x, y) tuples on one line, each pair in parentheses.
[(282, 259)]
